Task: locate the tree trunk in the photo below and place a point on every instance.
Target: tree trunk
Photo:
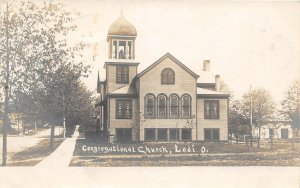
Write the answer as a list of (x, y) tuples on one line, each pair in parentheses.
[(52, 137), (258, 139), (6, 100)]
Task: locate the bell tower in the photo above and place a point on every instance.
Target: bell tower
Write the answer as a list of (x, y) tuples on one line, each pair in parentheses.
[(121, 39), (121, 66)]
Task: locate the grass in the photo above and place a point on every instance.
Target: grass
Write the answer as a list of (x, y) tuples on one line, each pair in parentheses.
[(219, 154), (33, 155)]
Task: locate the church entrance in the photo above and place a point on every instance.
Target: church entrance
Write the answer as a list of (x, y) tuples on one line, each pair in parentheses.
[(124, 135)]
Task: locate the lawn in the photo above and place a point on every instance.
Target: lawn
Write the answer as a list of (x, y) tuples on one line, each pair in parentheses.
[(215, 154), (33, 155)]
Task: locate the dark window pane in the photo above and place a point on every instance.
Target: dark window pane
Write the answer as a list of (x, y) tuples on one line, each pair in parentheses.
[(173, 134), (186, 106), (150, 106), (122, 74), (123, 109), (168, 76), (162, 134), (186, 134), (149, 134), (162, 106), (216, 134)]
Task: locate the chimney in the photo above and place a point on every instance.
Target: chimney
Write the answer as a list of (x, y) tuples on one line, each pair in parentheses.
[(206, 65), (218, 83)]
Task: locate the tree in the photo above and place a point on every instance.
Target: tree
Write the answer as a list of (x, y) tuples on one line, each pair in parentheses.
[(237, 119), (263, 107), (33, 49), (136, 122), (291, 106)]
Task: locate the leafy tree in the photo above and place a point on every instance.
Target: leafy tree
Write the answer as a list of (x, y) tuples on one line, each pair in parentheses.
[(263, 107), (291, 106), (237, 119), (33, 53)]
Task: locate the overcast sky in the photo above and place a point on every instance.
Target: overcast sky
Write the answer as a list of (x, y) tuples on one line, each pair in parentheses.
[(254, 43)]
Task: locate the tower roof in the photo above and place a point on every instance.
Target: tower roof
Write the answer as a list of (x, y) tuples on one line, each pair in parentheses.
[(122, 27)]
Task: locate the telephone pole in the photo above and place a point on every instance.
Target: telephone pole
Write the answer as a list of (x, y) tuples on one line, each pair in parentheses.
[(6, 88), (251, 142)]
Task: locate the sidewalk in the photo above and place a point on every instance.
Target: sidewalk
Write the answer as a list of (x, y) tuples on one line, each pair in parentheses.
[(62, 156)]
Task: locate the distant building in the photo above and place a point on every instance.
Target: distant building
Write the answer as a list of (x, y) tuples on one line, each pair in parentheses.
[(277, 129), (165, 102)]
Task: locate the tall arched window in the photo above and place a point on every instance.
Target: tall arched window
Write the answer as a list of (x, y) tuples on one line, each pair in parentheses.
[(168, 76), (150, 106), (174, 106), (186, 106), (162, 106)]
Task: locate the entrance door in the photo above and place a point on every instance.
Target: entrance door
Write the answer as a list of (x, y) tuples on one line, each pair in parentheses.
[(211, 134), (284, 133), (124, 135)]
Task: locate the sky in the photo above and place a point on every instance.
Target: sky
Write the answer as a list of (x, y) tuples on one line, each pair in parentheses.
[(248, 43)]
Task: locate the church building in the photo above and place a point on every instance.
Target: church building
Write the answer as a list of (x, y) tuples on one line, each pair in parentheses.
[(165, 102)]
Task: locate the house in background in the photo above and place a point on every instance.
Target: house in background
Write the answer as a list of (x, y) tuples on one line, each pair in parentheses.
[(277, 129), (165, 102)]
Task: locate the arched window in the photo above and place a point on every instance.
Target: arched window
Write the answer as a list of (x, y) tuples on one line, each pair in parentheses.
[(186, 106), (150, 106), (168, 76), (174, 106), (161, 106)]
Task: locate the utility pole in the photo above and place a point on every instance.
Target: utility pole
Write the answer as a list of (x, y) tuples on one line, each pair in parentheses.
[(6, 100), (251, 142)]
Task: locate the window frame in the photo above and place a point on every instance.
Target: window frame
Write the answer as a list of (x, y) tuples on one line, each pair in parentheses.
[(165, 81), (123, 108), (122, 74), (190, 132), (159, 106), (171, 106), (146, 106), (210, 116), (184, 106), (145, 135)]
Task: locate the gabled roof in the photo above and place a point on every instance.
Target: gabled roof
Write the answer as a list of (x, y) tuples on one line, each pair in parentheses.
[(168, 55)]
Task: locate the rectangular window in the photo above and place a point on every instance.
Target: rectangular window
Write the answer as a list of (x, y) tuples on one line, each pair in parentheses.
[(122, 74), (162, 134), (123, 109), (124, 135), (150, 134), (212, 134), (211, 109), (173, 134), (271, 133), (186, 134), (284, 133)]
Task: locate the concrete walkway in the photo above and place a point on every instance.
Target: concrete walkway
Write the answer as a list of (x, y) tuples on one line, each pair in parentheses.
[(62, 156)]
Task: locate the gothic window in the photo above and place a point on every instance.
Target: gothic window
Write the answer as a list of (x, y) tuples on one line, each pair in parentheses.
[(122, 74), (123, 109), (162, 106), (150, 106), (174, 106), (211, 109), (186, 106), (168, 76)]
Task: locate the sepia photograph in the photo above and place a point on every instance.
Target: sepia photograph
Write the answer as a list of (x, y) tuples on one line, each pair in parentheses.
[(177, 93)]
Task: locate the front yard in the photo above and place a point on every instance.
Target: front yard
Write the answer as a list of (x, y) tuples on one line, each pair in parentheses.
[(184, 154)]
